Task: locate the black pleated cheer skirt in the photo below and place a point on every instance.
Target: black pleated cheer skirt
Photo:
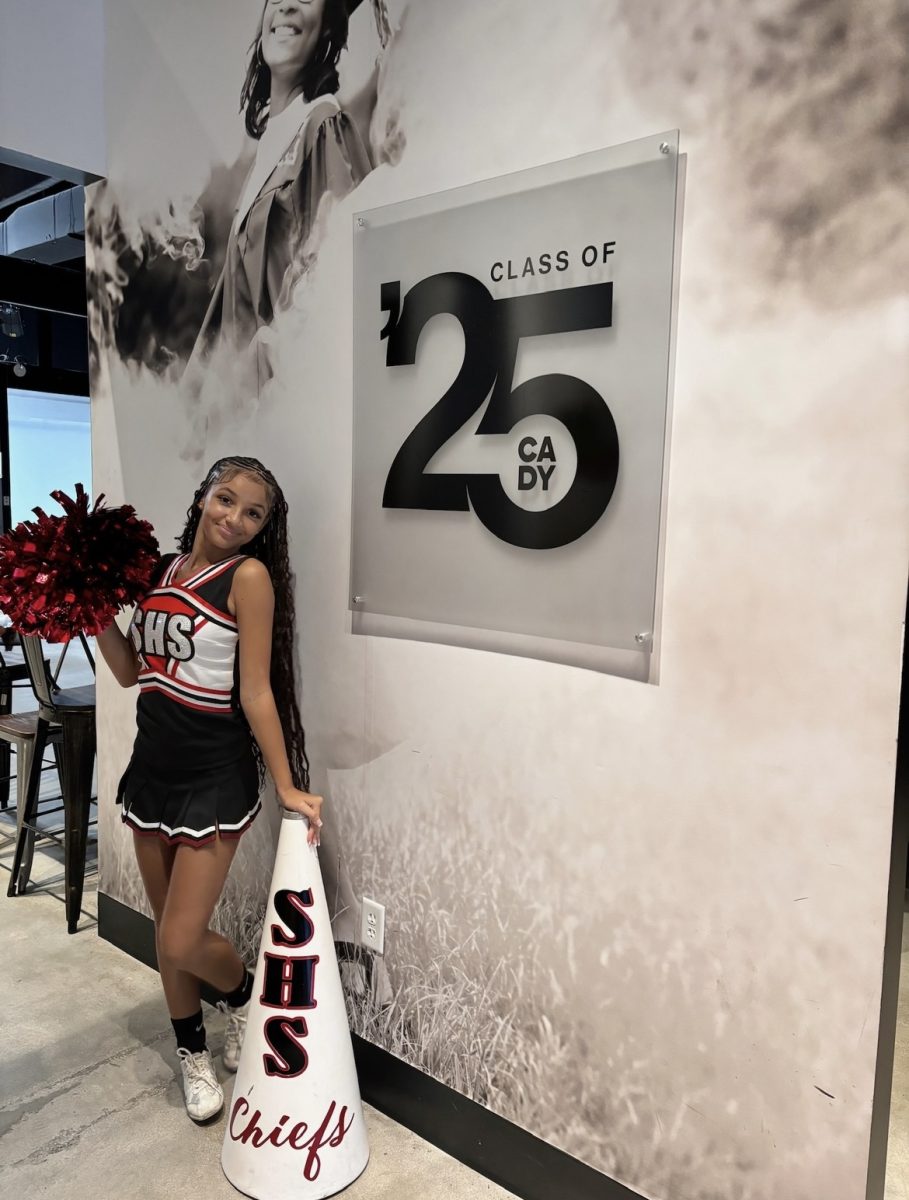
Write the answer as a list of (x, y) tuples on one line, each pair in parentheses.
[(190, 808)]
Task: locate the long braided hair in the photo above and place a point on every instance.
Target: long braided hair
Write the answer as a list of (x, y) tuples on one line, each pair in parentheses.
[(270, 547), (318, 78)]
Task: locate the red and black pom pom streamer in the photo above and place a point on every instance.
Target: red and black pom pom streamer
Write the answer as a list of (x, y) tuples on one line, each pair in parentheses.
[(62, 576)]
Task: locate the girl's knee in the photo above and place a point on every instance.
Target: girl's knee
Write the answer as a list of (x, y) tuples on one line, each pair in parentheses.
[(178, 943)]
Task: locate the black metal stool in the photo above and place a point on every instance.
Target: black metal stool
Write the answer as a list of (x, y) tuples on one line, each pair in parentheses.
[(17, 731), (73, 712), (12, 675)]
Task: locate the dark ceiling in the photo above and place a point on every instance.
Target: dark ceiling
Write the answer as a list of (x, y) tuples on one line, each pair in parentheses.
[(19, 186)]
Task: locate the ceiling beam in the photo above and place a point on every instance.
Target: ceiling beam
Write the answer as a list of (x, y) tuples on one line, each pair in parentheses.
[(43, 166), (37, 189), (35, 285)]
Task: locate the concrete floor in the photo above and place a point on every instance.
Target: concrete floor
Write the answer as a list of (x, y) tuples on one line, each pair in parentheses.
[(90, 1105)]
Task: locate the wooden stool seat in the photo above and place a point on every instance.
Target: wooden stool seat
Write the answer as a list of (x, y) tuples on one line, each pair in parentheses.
[(18, 725), (20, 730), (76, 698)]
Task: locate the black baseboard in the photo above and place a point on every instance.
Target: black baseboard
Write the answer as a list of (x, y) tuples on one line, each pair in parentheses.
[(127, 929), (488, 1144)]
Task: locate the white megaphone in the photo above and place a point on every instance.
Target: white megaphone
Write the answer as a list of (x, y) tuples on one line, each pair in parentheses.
[(295, 1130)]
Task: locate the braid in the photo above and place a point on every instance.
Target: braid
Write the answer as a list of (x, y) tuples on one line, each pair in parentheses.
[(270, 547)]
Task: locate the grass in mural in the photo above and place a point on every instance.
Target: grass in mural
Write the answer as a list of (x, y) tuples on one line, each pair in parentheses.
[(486, 963), (241, 909), (593, 1019)]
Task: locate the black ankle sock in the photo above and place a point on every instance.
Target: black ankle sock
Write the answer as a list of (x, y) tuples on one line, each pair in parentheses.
[(240, 995), (190, 1032)]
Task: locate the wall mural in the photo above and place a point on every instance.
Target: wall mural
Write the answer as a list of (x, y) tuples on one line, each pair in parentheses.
[(206, 279), (644, 923), (186, 293)]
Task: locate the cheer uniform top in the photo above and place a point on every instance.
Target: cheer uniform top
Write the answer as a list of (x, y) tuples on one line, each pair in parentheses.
[(192, 775)]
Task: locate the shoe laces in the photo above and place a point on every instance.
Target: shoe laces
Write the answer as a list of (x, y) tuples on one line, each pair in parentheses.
[(198, 1070), (236, 1022)]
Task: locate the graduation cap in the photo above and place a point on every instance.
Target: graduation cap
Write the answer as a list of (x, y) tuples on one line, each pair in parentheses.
[(381, 15)]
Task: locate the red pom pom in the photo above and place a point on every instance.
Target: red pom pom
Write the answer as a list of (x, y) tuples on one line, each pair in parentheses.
[(60, 576)]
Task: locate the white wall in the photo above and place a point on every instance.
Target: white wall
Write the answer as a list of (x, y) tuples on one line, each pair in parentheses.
[(52, 82), (646, 923)]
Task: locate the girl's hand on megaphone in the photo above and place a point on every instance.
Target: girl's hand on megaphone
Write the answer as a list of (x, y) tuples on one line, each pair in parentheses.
[(309, 805)]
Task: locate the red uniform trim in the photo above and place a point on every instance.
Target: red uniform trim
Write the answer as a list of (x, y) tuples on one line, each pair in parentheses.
[(186, 839), (149, 676), (178, 699), (204, 576), (202, 607)]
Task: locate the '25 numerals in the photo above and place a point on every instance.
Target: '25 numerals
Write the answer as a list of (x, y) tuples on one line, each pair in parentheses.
[(492, 330)]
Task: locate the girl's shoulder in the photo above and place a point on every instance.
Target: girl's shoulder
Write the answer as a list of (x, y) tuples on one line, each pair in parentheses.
[(324, 117), (250, 588), (252, 570)]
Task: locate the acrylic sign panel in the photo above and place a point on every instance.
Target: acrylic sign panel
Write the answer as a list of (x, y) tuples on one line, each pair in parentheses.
[(511, 357)]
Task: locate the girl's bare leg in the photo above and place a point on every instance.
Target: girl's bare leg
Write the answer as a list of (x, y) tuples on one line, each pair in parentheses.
[(156, 860), (185, 941)]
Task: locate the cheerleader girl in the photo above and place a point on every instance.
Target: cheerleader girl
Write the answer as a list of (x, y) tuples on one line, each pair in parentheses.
[(211, 647)]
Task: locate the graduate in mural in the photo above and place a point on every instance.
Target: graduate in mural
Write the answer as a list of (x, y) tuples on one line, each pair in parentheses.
[(217, 281), (307, 147), (211, 648)]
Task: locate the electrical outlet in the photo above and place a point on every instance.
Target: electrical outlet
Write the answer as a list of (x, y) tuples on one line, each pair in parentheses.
[(372, 925)]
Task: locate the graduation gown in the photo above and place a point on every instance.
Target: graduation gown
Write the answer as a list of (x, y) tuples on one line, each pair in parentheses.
[(267, 244)]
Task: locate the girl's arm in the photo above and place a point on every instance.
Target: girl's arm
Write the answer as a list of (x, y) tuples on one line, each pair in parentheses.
[(360, 106), (254, 605), (119, 654)]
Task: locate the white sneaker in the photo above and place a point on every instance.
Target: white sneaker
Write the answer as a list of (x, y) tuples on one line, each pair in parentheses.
[(201, 1090), (234, 1033)]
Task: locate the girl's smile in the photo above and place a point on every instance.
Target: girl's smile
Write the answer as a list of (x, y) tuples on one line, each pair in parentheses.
[(290, 30), (233, 512)]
